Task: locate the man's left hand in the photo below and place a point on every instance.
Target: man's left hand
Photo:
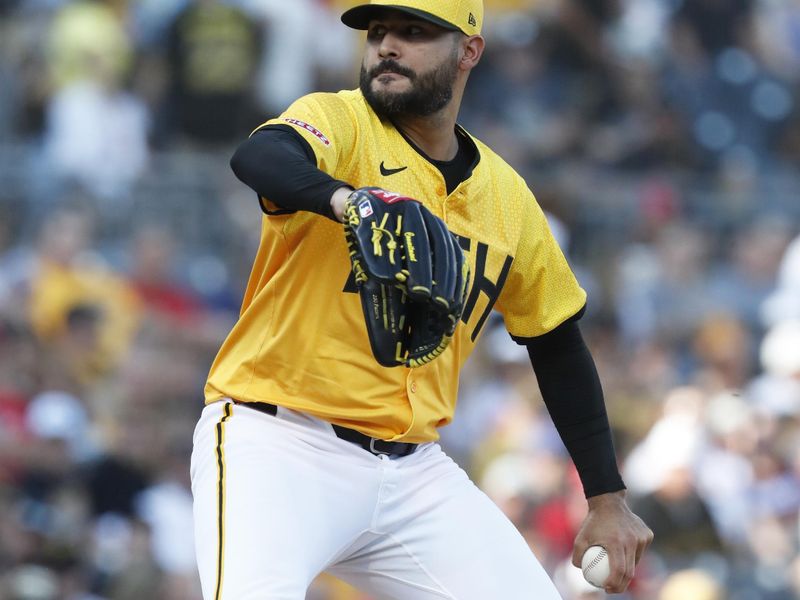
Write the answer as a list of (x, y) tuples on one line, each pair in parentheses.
[(611, 524)]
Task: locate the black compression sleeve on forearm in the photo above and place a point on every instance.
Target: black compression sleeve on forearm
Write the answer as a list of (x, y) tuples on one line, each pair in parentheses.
[(280, 165), (573, 395)]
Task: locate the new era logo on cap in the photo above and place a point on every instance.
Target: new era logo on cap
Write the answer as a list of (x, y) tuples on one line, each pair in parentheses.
[(472, 20)]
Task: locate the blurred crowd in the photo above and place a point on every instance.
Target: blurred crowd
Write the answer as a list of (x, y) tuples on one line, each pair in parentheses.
[(662, 137)]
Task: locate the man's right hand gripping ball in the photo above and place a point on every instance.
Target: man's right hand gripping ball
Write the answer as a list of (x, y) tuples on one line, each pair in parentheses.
[(411, 274)]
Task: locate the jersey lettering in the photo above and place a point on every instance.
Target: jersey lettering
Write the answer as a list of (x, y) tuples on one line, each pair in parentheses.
[(464, 242), (481, 283), (350, 286)]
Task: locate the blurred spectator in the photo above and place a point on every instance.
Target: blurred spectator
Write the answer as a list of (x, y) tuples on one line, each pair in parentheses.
[(724, 470), (153, 276), (679, 518), (661, 473), (546, 75), (721, 349), (95, 132), (776, 391), (691, 583), (96, 135), (506, 380), (84, 312), (60, 416), (120, 556), (747, 275), (181, 298), (166, 507), (7, 92), (294, 55), (87, 36), (113, 483), (778, 36), (23, 64), (31, 582), (213, 52), (662, 289), (673, 442), (714, 24), (59, 439), (773, 551), (150, 21), (737, 107), (574, 50), (784, 301)]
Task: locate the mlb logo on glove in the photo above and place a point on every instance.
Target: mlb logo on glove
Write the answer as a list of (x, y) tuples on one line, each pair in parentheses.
[(365, 209)]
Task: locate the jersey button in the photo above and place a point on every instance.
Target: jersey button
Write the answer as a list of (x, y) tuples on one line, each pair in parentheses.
[(441, 191), (413, 387)]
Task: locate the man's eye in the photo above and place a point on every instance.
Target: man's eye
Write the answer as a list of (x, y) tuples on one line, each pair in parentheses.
[(415, 31), (376, 32)]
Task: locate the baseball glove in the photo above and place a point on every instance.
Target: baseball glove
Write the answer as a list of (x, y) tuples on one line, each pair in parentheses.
[(411, 275)]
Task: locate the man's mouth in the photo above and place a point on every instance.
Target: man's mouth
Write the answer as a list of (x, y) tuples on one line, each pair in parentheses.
[(392, 71)]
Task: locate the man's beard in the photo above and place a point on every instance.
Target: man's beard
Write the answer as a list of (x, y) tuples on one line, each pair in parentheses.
[(428, 94)]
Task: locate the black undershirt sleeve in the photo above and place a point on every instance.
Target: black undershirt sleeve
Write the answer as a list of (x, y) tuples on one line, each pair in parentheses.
[(279, 165), (573, 395)]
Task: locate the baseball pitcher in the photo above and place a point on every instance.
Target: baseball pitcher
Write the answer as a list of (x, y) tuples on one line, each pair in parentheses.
[(388, 235)]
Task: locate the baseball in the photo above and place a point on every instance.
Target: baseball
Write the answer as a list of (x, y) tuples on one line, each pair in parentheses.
[(595, 566)]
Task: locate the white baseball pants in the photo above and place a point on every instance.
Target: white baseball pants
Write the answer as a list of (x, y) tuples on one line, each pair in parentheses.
[(278, 500)]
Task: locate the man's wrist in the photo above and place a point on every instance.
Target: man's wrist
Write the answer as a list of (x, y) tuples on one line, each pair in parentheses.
[(338, 199), (606, 499)]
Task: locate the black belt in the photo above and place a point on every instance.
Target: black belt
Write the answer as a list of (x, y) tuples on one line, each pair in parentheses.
[(373, 445)]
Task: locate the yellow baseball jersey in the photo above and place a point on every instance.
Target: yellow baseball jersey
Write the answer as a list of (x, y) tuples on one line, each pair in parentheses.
[(301, 341)]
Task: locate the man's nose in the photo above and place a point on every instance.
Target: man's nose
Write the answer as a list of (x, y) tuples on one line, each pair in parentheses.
[(390, 46)]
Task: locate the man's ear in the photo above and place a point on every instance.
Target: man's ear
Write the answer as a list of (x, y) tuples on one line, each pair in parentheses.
[(472, 50)]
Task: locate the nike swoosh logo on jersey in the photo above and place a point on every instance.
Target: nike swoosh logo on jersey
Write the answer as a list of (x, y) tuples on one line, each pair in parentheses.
[(386, 172)]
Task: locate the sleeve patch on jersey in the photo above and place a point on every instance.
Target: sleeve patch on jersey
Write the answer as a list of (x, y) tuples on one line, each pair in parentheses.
[(311, 129)]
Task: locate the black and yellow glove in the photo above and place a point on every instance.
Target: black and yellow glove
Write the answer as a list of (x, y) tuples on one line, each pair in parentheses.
[(411, 274)]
